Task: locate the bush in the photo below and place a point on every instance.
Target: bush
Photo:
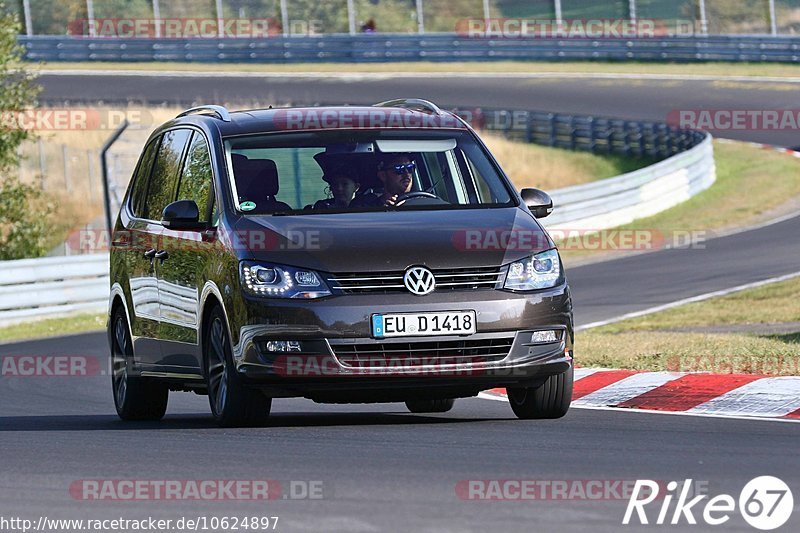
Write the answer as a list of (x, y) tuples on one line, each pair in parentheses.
[(23, 208), (24, 224)]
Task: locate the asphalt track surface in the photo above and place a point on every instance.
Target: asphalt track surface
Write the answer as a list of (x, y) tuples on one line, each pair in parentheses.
[(636, 99), (382, 468)]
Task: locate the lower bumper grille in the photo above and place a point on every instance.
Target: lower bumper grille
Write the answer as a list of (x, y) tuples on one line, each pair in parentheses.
[(422, 353)]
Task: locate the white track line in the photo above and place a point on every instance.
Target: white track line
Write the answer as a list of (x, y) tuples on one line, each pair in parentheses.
[(390, 75), (693, 299)]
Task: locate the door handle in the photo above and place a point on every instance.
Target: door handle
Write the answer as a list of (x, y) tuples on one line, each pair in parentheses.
[(162, 255)]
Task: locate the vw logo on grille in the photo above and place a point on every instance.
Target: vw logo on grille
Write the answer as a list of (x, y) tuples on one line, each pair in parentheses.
[(419, 281)]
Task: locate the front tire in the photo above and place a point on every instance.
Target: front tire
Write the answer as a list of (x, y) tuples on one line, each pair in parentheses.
[(232, 403), (551, 399), (430, 406), (135, 397)]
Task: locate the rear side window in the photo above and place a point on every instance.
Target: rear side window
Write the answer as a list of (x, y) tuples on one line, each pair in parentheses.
[(164, 179), (140, 178), (196, 177)]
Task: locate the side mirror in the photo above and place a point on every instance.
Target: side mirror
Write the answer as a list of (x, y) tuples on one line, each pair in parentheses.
[(539, 202), (182, 215)]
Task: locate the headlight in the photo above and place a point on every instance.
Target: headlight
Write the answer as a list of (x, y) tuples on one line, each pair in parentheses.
[(540, 271), (278, 281)]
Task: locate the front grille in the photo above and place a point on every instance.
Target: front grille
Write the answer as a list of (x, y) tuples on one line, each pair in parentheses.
[(422, 353), (387, 282)]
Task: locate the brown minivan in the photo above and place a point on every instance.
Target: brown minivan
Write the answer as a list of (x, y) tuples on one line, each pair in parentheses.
[(342, 254)]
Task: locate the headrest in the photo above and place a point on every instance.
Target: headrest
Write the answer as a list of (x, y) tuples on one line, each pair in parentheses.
[(264, 173)]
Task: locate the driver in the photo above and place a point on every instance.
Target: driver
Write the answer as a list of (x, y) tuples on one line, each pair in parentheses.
[(396, 173)]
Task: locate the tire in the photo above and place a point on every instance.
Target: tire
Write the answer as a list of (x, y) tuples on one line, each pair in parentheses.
[(430, 406), (135, 397), (232, 403), (551, 399)]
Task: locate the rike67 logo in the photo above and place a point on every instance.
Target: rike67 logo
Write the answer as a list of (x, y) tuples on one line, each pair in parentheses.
[(765, 503)]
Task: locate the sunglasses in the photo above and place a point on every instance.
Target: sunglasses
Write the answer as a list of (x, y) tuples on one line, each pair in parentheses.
[(402, 169)]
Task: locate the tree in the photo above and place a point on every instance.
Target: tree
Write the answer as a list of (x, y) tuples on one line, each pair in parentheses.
[(22, 228)]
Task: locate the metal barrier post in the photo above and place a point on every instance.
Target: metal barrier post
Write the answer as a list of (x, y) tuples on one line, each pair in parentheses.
[(157, 18), (90, 16), (703, 18), (285, 18), (26, 8), (65, 161), (104, 165), (42, 162), (632, 11), (351, 17), (220, 20), (420, 18), (773, 19)]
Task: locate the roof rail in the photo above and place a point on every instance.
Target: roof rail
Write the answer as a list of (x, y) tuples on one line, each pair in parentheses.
[(413, 104), (216, 110)]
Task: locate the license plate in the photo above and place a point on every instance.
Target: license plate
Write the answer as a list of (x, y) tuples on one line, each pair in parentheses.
[(424, 324)]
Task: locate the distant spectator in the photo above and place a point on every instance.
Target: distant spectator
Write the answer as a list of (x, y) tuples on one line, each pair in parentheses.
[(369, 27)]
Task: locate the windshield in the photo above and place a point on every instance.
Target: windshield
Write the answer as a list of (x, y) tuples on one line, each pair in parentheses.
[(325, 172)]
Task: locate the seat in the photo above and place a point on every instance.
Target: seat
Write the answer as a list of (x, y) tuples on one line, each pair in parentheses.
[(257, 181)]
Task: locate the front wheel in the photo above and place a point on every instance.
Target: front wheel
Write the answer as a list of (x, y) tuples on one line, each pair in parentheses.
[(232, 403), (135, 397), (551, 399), (430, 406)]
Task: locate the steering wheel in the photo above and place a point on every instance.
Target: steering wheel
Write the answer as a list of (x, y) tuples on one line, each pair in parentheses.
[(403, 198)]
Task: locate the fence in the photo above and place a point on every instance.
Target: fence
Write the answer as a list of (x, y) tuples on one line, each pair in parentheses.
[(291, 17), (37, 288), (394, 48), (52, 286)]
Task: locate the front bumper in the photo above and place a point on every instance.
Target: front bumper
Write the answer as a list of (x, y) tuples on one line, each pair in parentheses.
[(327, 327)]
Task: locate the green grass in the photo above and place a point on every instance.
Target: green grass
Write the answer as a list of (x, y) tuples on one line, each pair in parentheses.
[(770, 304), (664, 341), (52, 327), (698, 69), (751, 182)]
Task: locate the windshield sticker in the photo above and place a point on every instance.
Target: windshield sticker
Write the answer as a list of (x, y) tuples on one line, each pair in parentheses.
[(247, 206)]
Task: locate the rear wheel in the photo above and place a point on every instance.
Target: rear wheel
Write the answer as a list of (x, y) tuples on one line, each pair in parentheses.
[(551, 399), (430, 406), (135, 397), (232, 403)]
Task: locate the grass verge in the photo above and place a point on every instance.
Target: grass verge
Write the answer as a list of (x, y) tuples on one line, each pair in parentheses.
[(583, 67), (683, 339), (543, 167), (53, 327)]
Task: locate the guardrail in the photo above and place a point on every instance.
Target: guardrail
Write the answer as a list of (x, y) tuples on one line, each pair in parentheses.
[(52, 286), (686, 165), (616, 201), (40, 288), (383, 48)]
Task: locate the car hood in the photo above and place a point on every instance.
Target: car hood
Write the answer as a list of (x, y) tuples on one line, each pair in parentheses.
[(392, 240)]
